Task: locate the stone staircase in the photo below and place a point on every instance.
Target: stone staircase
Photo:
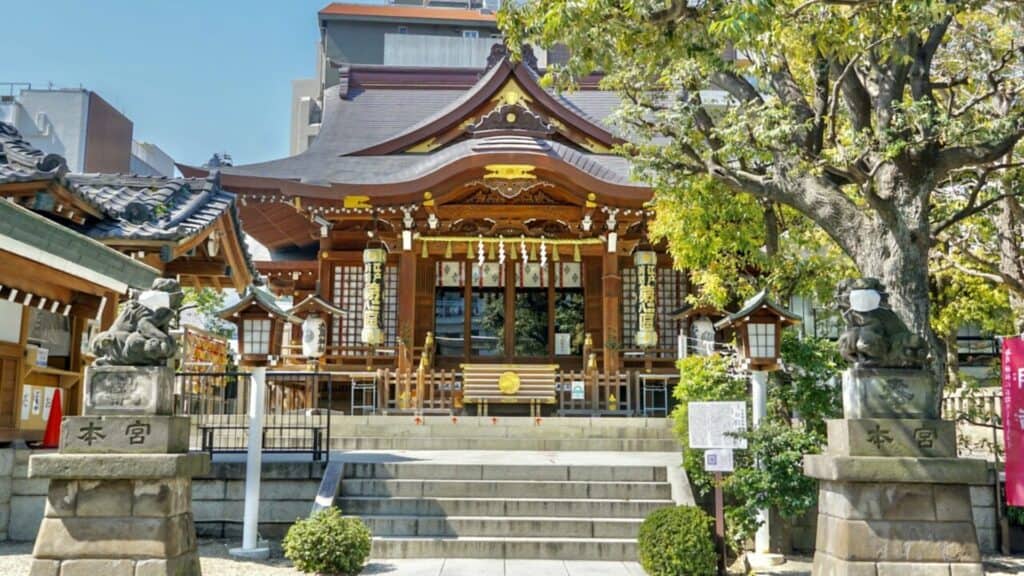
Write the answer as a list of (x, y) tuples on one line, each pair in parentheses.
[(502, 433), (554, 511)]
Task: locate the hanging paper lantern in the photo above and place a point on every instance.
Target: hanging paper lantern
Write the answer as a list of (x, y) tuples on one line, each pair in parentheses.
[(646, 262), (373, 290)]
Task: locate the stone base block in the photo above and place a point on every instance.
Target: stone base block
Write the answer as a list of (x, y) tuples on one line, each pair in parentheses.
[(185, 565), (890, 393), (129, 390), (115, 537), (892, 437), (825, 565), (124, 435), (899, 470), (118, 466)]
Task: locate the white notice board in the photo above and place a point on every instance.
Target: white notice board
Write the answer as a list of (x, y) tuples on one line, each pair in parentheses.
[(712, 424)]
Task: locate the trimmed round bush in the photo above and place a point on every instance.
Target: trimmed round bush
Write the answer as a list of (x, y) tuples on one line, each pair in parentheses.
[(328, 543), (678, 542)]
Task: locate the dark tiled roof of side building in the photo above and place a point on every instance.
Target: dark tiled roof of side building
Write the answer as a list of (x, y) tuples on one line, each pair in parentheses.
[(133, 207), (23, 225)]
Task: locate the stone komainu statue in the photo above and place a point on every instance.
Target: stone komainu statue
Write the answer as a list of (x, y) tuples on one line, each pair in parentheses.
[(875, 336), (140, 334)]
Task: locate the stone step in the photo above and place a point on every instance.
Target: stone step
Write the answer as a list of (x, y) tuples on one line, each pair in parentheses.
[(524, 526), (507, 489), (500, 507), (538, 444), (401, 428), (608, 549), (399, 471)]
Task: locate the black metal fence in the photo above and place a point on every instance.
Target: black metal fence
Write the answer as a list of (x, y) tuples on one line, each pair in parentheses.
[(296, 416)]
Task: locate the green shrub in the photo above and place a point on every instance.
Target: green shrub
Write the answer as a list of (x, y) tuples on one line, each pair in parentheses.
[(1015, 515), (328, 543), (677, 542)]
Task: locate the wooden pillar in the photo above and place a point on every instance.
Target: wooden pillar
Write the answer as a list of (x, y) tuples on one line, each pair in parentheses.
[(109, 312), (406, 309), (611, 311)]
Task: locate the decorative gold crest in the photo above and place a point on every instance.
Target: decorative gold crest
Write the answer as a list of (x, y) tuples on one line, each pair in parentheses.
[(357, 202), (509, 172), (508, 383)]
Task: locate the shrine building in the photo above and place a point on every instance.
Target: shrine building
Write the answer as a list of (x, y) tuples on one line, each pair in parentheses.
[(507, 229)]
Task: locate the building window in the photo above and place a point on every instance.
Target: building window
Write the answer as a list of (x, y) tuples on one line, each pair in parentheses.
[(487, 323), (470, 33), (257, 336)]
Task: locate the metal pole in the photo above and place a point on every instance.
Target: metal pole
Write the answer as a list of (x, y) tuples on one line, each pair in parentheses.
[(759, 381), (720, 523), (253, 467)]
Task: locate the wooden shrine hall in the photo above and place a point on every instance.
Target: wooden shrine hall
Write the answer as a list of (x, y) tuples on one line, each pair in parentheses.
[(474, 229)]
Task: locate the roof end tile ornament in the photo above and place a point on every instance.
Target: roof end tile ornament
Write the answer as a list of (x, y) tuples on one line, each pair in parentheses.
[(500, 52)]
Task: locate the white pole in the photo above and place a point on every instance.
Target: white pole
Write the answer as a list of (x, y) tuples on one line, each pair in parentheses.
[(759, 381), (253, 467)]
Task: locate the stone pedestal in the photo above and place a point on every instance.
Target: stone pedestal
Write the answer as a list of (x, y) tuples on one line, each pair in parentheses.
[(120, 496), (894, 498)]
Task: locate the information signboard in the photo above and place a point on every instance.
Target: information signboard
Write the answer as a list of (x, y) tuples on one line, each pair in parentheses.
[(716, 425), (718, 460)]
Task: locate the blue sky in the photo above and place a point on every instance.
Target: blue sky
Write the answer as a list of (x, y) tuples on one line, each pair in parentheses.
[(195, 76)]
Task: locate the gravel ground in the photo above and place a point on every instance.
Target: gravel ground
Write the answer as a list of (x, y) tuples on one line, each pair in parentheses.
[(15, 559)]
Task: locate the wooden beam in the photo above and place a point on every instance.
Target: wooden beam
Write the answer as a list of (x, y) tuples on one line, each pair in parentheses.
[(195, 268), (611, 294), (31, 276), (234, 253), (406, 307)]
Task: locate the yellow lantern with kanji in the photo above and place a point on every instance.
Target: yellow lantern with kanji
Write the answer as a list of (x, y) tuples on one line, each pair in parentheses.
[(374, 259), (646, 264)]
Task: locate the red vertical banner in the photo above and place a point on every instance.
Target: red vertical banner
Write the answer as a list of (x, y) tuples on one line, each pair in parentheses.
[(1013, 418)]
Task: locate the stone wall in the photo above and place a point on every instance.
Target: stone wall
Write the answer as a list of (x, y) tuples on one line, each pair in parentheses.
[(287, 492)]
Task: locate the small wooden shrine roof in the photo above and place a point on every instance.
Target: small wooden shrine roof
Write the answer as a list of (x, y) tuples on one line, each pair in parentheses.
[(314, 303), (262, 299), (759, 301)]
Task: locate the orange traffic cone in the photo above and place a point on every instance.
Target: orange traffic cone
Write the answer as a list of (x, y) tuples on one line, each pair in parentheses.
[(51, 439)]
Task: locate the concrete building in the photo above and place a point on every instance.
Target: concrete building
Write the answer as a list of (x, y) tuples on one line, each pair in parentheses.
[(409, 33), (78, 124)]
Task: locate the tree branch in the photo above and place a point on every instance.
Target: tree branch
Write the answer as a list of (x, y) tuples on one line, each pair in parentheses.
[(956, 157)]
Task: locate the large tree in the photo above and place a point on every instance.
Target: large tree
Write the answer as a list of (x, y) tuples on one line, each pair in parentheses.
[(852, 113)]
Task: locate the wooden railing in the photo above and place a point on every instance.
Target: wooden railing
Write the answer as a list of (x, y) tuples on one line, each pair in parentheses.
[(416, 392), (368, 357), (603, 394)]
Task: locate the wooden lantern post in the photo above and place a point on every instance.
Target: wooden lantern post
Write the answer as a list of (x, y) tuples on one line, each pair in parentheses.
[(759, 327)]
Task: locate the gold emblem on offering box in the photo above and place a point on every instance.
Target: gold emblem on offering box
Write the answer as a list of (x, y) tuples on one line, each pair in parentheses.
[(508, 383)]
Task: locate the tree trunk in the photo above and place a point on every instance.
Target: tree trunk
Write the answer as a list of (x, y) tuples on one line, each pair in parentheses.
[(1008, 223), (899, 258)]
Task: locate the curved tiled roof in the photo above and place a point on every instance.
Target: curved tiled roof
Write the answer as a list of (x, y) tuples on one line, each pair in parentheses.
[(132, 207)]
